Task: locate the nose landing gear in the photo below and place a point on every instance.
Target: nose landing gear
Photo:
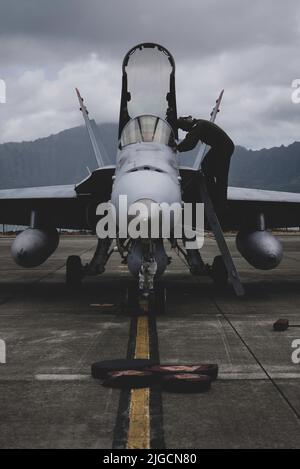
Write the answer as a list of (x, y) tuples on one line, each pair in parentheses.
[(153, 302)]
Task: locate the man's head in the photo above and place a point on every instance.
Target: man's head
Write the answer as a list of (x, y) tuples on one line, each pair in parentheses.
[(185, 123)]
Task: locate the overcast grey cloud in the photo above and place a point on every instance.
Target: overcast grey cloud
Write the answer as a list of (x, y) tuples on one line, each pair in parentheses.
[(248, 48)]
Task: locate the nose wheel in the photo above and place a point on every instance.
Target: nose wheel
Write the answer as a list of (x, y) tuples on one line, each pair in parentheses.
[(74, 272), (155, 298)]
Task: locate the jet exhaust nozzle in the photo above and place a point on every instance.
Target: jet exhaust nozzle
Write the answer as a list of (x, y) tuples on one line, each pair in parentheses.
[(260, 248), (33, 246)]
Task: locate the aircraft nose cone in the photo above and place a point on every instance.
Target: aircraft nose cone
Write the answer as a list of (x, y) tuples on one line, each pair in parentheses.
[(141, 210), (152, 217), (153, 191), (145, 206)]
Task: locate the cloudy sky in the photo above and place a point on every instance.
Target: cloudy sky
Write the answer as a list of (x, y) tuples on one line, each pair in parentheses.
[(249, 48)]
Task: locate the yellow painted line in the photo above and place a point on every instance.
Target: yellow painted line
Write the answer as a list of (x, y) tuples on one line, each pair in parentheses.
[(142, 349), (139, 420), (139, 411)]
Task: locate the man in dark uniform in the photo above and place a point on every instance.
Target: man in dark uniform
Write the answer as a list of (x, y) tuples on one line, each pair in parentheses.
[(215, 164)]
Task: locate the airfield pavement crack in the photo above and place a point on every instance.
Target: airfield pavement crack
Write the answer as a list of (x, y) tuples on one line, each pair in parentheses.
[(278, 389)]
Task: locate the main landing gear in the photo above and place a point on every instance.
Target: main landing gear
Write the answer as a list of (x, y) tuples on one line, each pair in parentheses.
[(75, 271), (217, 271)]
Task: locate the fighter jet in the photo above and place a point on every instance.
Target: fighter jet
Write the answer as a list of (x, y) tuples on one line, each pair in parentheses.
[(148, 169)]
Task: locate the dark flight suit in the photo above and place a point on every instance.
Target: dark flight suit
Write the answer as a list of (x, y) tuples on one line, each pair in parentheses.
[(215, 164)]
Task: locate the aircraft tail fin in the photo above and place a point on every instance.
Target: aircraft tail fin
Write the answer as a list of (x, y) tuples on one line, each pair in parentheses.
[(203, 146), (100, 155)]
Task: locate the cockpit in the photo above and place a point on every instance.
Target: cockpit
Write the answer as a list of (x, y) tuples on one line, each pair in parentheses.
[(147, 128)]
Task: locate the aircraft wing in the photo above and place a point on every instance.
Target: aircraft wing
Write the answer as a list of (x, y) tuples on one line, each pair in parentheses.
[(281, 209), (70, 206), (64, 206)]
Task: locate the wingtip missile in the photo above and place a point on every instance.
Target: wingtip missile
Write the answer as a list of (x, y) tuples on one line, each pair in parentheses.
[(213, 115), (80, 99), (90, 130), (78, 94)]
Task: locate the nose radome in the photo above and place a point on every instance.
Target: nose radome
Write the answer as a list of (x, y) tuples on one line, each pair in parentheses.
[(146, 205), (159, 219), (143, 210), (140, 212), (160, 187)]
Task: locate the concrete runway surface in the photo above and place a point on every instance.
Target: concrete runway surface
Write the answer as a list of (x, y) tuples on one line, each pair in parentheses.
[(49, 400)]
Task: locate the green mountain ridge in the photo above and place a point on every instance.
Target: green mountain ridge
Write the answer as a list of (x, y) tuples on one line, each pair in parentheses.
[(63, 158)]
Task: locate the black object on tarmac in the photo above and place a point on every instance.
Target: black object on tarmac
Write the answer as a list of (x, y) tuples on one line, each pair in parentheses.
[(209, 369), (100, 370), (186, 383), (129, 379), (281, 325)]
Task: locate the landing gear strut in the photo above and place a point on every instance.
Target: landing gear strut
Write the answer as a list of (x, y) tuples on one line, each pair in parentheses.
[(75, 271), (218, 271)]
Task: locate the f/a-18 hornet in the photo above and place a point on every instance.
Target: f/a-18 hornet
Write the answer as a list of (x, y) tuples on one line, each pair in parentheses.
[(149, 170)]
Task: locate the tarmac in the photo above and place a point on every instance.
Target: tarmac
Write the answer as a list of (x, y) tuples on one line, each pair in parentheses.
[(48, 398)]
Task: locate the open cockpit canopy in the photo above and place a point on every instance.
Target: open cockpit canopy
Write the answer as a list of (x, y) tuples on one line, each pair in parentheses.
[(148, 85)]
